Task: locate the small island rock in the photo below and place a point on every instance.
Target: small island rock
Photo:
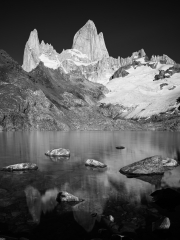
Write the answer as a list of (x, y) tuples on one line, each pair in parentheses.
[(95, 163), (151, 165), (20, 167), (59, 152), (120, 147)]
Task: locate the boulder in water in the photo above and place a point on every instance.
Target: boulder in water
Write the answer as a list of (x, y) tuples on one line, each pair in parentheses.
[(20, 167), (120, 147), (64, 196), (151, 165), (95, 163), (59, 152)]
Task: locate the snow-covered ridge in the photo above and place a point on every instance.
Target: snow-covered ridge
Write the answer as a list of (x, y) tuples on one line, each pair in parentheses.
[(142, 93)]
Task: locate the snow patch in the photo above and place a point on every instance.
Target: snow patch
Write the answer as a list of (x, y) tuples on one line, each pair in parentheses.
[(54, 64), (140, 95)]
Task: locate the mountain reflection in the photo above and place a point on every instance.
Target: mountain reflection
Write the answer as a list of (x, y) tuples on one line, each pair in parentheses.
[(37, 203), (71, 174), (83, 214), (171, 178)]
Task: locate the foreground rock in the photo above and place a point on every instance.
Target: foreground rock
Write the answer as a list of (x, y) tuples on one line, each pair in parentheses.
[(150, 165), (64, 196), (95, 163), (20, 167), (59, 152)]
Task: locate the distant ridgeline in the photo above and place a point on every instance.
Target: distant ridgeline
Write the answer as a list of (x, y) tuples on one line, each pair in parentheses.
[(88, 55), (83, 88)]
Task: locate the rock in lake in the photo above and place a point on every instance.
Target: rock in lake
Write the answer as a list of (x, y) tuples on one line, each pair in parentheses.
[(120, 147), (59, 152), (150, 165), (20, 167), (95, 163), (64, 196)]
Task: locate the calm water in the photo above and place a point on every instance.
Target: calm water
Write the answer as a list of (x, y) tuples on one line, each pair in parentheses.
[(72, 175)]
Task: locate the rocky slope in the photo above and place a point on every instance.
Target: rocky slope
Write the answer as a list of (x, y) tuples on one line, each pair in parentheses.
[(148, 91), (48, 99), (23, 106)]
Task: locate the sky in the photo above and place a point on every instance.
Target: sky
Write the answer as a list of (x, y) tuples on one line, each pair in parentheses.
[(126, 27)]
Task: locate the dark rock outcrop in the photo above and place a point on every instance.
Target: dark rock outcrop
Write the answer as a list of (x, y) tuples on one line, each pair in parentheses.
[(121, 72), (162, 85), (120, 147), (167, 73), (150, 165)]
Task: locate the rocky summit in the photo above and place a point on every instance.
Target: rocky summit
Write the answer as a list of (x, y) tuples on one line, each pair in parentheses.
[(84, 88), (89, 42)]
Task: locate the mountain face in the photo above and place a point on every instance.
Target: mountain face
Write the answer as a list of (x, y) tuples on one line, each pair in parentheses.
[(23, 106), (83, 88), (49, 99), (88, 55), (87, 41)]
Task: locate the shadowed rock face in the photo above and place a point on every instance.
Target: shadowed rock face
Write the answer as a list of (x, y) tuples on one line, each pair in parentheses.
[(151, 165), (23, 105), (90, 43), (121, 72)]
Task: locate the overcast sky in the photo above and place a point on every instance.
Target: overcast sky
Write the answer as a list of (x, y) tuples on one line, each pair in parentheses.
[(126, 28)]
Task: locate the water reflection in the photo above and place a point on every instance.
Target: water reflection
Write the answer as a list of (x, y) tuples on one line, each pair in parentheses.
[(71, 174), (37, 203), (82, 213)]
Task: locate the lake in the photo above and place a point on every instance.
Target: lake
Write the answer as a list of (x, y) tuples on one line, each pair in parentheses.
[(97, 187)]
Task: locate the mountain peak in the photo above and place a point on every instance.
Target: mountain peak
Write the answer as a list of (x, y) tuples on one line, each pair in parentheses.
[(90, 23), (89, 42), (31, 52)]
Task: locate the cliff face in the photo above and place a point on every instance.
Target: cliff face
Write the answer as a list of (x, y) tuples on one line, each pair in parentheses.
[(90, 43), (23, 106), (31, 52), (89, 55)]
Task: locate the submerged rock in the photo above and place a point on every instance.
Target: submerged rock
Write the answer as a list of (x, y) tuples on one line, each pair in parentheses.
[(59, 152), (161, 224), (64, 196), (151, 165), (94, 163), (20, 167)]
